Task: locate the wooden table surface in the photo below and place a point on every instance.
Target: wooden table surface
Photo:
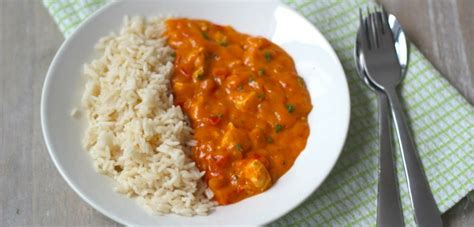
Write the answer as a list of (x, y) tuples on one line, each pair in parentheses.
[(31, 190)]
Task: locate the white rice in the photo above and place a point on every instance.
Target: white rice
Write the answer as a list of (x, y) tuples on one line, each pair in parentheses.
[(135, 134)]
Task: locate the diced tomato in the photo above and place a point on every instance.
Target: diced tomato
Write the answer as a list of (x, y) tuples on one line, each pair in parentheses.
[(179, 103), (214, 120), (183, 71)]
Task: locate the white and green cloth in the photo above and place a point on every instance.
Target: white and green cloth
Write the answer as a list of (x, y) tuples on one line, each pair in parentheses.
[(441, 119)]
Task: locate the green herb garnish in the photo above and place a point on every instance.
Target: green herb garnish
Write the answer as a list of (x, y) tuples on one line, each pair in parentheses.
[(200, 76), (223, 43), (268, 56), (261, 96), (269, 140), (205, 35), (261, 72), (278, 128), (239, 147), (301, 82), (290, 108)]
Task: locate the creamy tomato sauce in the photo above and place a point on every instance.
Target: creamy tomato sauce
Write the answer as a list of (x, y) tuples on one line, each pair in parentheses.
[(245, 101)]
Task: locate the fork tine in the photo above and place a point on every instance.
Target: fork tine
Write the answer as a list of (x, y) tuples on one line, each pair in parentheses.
[(373, 30), (378, 18), (368, 29), (386, 37), (379, 28), (364, 40), (385, 20)]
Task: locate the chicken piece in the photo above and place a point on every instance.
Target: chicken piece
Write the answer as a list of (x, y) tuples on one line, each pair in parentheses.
[(257, 175), (233, 137), (245, 101), (196, 57), (252, 55), (257, 137), (194, 63), (181, 88), (197, 109), (234, 82)]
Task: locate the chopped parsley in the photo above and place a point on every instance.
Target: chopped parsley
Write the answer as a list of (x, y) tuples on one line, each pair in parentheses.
[(268, 56), (239, 147), (205, 35), (223, 43), (269, 140), (278, 128), (200, 76), (261, 72), (301, 82), (290, 107)]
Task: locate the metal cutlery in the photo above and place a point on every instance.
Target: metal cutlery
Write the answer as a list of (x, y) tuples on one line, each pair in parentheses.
[(389, 209), (377, 54)]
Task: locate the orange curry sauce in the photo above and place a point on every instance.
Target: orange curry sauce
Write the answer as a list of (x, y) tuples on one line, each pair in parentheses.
[(246, 103)]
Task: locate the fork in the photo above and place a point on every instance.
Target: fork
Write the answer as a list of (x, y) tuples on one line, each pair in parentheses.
[(389, 209), (384, 71)]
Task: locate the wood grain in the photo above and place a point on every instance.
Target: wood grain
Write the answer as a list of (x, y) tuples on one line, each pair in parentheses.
[(31, 190), (443, 31)]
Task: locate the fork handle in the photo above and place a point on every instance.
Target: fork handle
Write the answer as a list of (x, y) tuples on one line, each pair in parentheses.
[(423, 202), (389, 209)]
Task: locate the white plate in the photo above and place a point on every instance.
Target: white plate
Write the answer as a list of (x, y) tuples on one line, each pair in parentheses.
[(315, 60)]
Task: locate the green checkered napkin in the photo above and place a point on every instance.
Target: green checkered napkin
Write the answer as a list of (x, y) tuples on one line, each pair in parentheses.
[(441, 120)]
